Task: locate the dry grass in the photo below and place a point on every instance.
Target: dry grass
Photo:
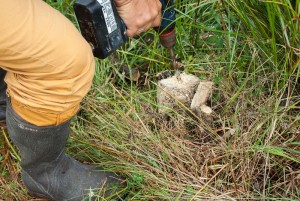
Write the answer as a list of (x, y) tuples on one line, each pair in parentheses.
[(247, 156)]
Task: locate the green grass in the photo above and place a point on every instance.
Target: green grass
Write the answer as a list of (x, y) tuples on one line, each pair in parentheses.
[(250, 50)]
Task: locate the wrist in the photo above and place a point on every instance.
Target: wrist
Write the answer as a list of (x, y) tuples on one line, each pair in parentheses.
[(122, 2)]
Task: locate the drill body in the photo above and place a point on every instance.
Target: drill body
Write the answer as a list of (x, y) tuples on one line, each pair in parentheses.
[(105, 31)]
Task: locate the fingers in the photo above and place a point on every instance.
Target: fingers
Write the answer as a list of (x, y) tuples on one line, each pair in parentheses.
[(148, 14), (157, 20), (139, 15)]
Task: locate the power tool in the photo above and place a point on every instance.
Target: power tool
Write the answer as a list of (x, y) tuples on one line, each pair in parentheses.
[(105, 31), (101, 25), (166, 30)]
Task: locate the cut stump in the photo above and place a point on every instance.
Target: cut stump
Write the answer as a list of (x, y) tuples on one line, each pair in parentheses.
[(198, 105), (189, 90), (179, 87)]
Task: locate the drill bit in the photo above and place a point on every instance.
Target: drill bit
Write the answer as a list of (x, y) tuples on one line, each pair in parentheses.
[(174, 63), (173, 59)]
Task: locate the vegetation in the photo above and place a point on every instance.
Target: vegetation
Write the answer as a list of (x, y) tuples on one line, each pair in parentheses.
[(250, 50)]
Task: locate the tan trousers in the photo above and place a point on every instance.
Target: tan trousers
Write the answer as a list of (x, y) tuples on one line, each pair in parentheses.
[(49, 65)]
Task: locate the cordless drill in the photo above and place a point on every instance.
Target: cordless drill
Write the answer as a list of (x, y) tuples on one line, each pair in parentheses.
[(166, 30), (105, 31)]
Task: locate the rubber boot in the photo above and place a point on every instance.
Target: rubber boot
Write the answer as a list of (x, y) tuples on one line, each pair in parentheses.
[(2, 98), (47, 171)]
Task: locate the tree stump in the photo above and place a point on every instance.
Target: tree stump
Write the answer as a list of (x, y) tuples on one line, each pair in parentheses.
[(180, 87), (198, 105), (190, 91)]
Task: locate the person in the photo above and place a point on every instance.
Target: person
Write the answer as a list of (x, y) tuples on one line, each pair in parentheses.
[(48, 68)]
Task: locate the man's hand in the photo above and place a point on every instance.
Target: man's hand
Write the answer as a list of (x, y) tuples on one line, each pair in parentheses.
[(139, 15)]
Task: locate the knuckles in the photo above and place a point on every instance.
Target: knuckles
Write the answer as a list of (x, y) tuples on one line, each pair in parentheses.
[(147, 16)]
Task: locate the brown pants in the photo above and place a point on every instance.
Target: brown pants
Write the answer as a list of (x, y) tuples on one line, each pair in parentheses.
[(49, 65)]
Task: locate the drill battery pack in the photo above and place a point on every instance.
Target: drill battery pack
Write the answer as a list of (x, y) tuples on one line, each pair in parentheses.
[(100, 25)]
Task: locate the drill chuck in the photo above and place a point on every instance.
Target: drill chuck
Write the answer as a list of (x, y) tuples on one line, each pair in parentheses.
[(166, 29), (168, 40)]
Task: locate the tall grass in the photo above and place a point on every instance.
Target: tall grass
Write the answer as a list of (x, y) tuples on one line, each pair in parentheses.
[(250, 49)]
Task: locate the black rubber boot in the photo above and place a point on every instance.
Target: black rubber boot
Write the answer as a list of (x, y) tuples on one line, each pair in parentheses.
[(2, 97), (47, 171)]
